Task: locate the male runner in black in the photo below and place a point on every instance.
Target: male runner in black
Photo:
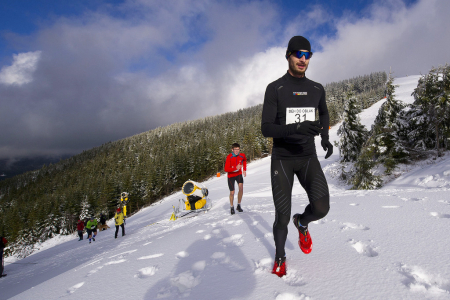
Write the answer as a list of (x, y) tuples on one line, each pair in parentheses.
[(289, 112)]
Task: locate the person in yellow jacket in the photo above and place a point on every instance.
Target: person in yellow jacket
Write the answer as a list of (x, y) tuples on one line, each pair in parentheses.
[(119, 222)]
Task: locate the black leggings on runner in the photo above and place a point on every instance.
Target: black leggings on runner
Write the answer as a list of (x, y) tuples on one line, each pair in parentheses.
[(117, 229), (311, 177)]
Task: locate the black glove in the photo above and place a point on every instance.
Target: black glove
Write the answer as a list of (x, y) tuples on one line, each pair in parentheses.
[(308, 128), (327, 146)]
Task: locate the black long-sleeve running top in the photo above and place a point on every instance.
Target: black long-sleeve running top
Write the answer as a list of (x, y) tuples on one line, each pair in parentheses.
[(288, 101)]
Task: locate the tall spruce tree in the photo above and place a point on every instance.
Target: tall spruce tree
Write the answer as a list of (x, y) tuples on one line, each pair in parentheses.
[(386, 145), (431, 109), (352, 133)]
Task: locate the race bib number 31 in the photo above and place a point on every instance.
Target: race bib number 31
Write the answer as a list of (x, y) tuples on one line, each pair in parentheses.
[(300, 114)]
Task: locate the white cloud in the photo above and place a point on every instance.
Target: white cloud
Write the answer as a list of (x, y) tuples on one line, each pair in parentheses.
[(410, 40), (103, 77), (22, 69)]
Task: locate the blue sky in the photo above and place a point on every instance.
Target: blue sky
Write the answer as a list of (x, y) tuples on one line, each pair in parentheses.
[(26, 17), (77, 74)]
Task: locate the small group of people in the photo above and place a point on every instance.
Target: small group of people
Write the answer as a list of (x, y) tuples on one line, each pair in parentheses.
[(91, 225), (289, 111), (91, 228)]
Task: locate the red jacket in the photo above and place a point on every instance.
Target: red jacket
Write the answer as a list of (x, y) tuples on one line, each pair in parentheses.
[(4, 241), (232, 162), (80, 225)]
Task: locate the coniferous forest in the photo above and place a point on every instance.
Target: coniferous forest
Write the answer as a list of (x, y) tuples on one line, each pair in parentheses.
[(40, 204), (400, 133)]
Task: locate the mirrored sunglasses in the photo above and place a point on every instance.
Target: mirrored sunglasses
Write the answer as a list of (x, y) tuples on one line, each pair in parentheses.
[(299, 54)]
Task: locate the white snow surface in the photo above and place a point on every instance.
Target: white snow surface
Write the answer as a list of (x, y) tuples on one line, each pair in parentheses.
[(390, 243)]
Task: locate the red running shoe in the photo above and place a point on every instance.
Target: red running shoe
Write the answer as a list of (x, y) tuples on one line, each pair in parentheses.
[(304, 239), (279, 267)]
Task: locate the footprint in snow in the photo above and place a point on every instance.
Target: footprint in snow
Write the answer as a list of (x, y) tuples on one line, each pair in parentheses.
[(439, 215), (223, 259), (218, 255), (348, 226), (72, 289), (182, 254), (184, 282), (293, 278), (94, 271), (146, 272), (180, 286), (234, 240), (263, 266), (217, 233), (363, 248), (199, 266), (420, 281), (235, 223)]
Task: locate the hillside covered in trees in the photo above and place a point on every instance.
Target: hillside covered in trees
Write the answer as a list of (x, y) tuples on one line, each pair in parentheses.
[(37, 205)]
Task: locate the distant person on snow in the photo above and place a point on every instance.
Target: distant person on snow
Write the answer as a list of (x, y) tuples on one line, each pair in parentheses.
[(234, 164), (80, 228), (102, 226), (3, 243), (102, 219), (289, 111), (119, 218), (91, 227)]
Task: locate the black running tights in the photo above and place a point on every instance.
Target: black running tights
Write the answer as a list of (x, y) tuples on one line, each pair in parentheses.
[(117, 229), (312, 179)]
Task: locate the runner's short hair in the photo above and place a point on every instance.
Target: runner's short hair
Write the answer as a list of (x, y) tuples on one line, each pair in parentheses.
[(235, 145)]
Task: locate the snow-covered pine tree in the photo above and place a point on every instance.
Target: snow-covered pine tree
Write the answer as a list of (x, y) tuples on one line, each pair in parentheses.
[(417, 128), (431, 109), (365, 178), (352, 133), (386, 145), (85, 209)]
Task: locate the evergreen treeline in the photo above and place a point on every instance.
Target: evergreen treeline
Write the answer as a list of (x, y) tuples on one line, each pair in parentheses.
[(368, 88), (400, 133), (37, 205)]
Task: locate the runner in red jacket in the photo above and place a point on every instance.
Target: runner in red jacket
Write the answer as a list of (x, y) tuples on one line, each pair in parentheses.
[(3, 243), (233, 166), (80, 228)]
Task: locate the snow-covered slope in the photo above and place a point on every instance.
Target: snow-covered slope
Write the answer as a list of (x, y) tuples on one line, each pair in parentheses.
[(385, 244)]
